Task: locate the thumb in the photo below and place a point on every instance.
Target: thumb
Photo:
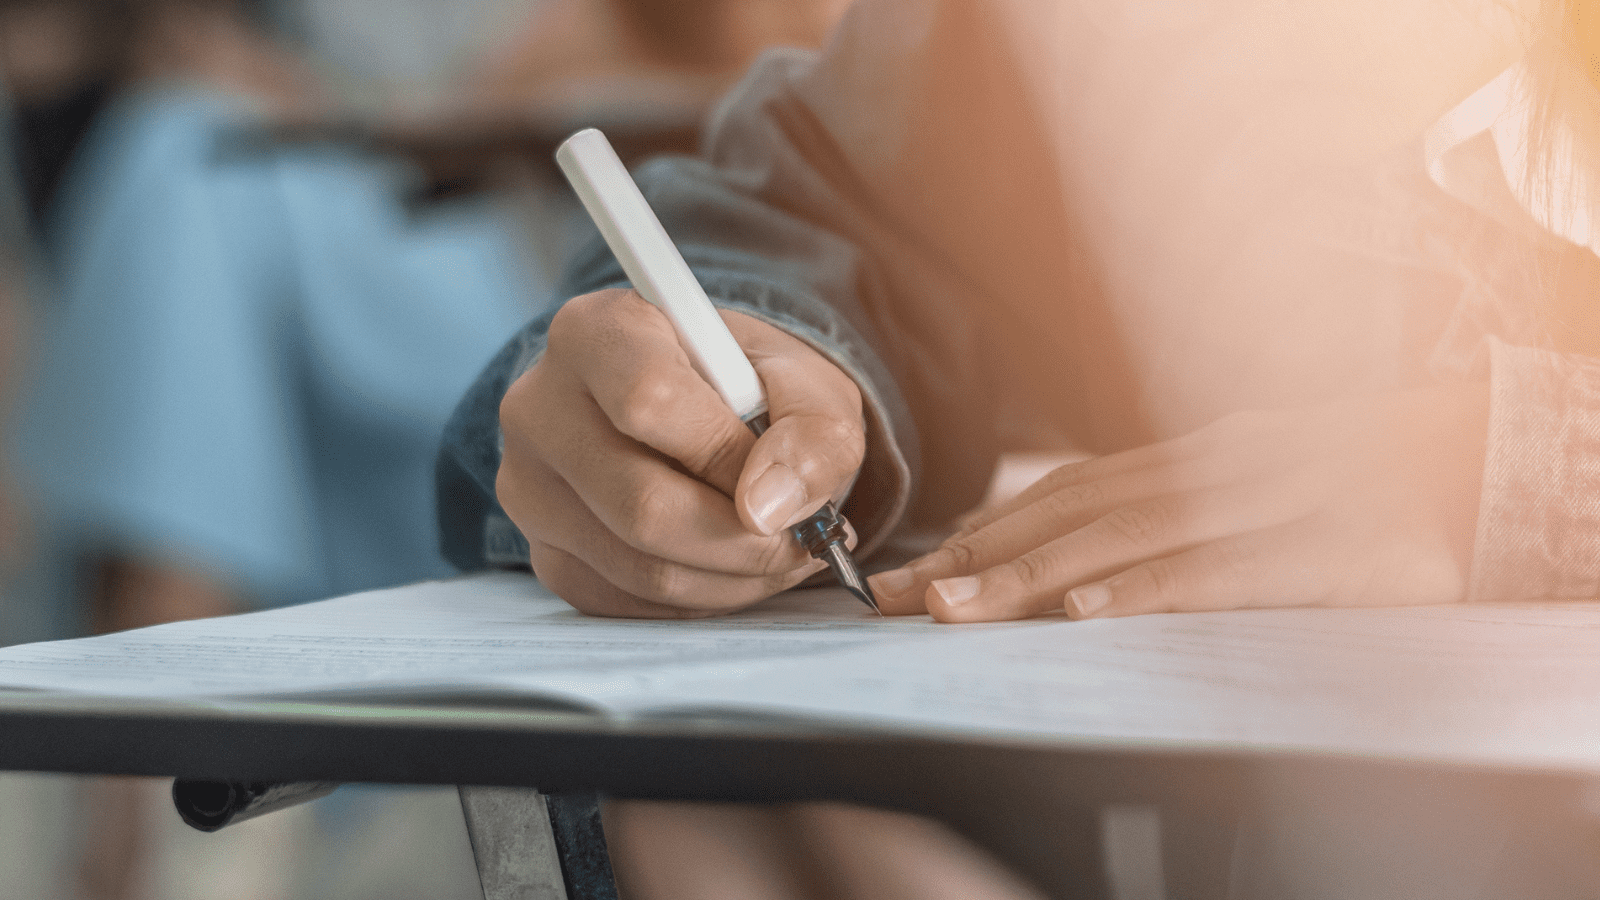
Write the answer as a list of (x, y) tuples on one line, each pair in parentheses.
[(816, 438)]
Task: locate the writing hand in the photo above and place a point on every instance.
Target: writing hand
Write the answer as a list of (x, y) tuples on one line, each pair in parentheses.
[(620, 462), (1366, 502)]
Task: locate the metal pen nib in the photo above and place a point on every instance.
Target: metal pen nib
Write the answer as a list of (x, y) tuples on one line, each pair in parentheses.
[(844, 568), (823, 536)]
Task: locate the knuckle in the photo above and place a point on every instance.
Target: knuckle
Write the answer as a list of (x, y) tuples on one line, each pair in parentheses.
[(594, 306), (567, 578), (536, 417), (648, 517), (645, 406), (1034, 570), (1232, 564), (600, 320), (1216, 434), (541, 558), (1142, 524), (716, 455), (510, 488), (775, 557), (1160, 581), (1073, 499), (843, 445), (548, 566), (1240, 425), (658, 580), (1063, 477), (520, 400), (1086, 494), (848, 439), (573, 321), (778, 583), (1241, 421), (523, 492), (959, 557), (628, 596)]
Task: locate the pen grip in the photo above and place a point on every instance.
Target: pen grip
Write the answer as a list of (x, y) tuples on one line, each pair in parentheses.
[(823, 527)]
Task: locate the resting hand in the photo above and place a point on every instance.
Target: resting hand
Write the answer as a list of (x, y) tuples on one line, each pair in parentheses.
[(620, 462), (1365, 502)]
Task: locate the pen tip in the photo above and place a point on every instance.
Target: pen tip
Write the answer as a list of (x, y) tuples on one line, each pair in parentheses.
[(844, 568)]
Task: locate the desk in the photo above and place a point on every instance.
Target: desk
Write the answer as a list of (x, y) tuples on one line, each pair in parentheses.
[(1025, 803)]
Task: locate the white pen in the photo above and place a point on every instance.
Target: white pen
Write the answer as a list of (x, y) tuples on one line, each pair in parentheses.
[(659, 273)]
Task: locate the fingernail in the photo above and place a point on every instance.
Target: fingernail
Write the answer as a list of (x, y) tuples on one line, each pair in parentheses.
[(956, 591), (1091, 598), (893, 582), (775, 497)]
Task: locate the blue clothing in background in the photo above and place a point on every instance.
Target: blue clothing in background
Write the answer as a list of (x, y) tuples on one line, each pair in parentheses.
[(254, 351)]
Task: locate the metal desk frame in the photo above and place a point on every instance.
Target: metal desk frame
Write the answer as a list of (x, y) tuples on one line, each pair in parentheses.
[(1025, 803)]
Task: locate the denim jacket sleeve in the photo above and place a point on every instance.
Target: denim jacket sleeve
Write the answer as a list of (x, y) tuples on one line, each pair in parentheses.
[(751, 218)]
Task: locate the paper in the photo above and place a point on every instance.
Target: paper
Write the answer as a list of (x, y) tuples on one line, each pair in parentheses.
[(489, 634), (1513, 685)]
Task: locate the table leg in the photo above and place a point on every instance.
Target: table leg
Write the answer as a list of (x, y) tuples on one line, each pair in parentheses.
[(533, 846)]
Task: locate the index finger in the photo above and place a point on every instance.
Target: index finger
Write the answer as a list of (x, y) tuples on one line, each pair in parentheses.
[(641, 378), (1068, 504), (1073, 476)]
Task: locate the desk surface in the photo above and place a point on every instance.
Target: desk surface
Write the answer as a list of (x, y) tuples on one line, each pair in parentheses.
[(1015, 735)]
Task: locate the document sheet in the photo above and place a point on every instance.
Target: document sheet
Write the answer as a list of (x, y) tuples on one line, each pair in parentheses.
[(1513, 685)]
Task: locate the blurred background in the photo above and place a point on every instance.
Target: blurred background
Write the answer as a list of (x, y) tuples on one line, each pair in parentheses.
[(251, 252)]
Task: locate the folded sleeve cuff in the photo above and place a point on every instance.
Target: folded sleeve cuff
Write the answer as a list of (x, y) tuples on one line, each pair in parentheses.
[(1538, 531)]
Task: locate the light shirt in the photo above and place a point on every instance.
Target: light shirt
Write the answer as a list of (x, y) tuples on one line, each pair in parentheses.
[(1559, 198), (1539, 511)]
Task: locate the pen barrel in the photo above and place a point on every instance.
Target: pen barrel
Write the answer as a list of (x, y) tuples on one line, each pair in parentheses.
[(656, 268)]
